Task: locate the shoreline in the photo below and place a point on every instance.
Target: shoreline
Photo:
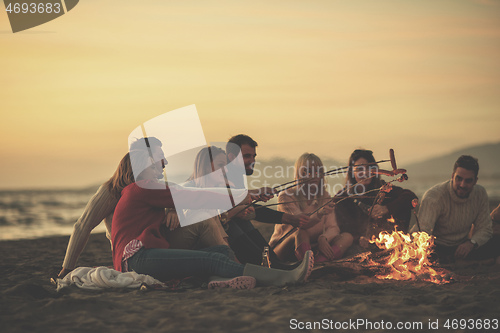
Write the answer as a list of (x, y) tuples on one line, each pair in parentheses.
[(265, 230), (29, 301)]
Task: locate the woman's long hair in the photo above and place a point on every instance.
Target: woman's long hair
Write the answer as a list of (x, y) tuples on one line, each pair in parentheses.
[(307, 161), (124, 173), (122, 177), (350, 179), (203, 164)]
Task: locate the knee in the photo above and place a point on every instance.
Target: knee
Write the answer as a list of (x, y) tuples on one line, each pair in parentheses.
[(204, 225), (222, 249), (347, 237), (343, 240)]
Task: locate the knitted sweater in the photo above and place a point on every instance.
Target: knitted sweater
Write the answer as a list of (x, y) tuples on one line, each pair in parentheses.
[(443, 214), (318, 225), (100, 207)]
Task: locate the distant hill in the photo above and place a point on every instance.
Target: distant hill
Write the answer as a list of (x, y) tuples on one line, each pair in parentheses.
[(442, 166), (422, 175)]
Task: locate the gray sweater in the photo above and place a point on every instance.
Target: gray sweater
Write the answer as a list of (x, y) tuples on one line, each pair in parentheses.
[(449, 218)]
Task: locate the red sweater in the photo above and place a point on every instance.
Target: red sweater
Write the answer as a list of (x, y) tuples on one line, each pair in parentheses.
[(141, 211), (138, 215)]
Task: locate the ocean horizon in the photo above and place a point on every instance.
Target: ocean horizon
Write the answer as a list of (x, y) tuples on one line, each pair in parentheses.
[(37, 213)]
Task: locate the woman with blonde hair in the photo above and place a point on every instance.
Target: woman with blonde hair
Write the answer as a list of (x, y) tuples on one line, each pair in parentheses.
[(322, 231), (207, 174)]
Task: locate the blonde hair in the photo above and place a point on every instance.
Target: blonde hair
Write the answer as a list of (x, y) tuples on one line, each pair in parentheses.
[(122, 177), (203, 164), (305, 161), (124, 173)]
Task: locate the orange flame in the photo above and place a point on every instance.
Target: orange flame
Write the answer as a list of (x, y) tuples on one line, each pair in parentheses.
[(409, 257), (391, 220)]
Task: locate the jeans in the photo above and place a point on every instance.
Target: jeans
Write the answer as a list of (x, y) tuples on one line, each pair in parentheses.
[(169, 264)]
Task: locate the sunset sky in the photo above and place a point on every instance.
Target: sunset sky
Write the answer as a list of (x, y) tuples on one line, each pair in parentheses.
[(324, 76)]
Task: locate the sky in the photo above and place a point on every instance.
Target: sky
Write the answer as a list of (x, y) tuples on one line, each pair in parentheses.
[(322, 76)]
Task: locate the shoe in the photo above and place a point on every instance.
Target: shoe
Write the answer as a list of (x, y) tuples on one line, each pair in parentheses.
[(239, 282)]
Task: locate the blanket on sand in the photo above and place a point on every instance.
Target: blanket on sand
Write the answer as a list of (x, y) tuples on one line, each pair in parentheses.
[(97, 278)]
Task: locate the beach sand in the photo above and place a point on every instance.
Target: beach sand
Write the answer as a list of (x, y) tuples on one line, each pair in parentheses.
[(30, 303)]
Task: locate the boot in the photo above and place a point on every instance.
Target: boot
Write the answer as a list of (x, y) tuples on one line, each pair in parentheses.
[(337, 255), (260, 242), (278, 264), (239, 282), (301, 250), (279, 278)]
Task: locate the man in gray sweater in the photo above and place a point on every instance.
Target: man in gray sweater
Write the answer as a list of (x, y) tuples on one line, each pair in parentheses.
[(450, 210)]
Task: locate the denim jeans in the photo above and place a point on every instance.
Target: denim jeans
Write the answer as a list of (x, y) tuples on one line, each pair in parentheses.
[(168, 264)]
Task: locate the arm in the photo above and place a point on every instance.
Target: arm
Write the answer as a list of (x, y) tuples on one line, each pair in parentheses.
[(401, 206), (294, 215), (242, 210), (98, 208), (428, 213), (286, 205), (483, 229), (268, 215), (171, 219), (262, 194), (330, 231), (331, 228), (495, 214), (159, 195)]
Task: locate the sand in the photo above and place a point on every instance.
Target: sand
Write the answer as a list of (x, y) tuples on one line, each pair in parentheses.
[(30, 303)]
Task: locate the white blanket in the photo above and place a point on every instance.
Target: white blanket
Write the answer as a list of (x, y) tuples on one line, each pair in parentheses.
[(97, 278)]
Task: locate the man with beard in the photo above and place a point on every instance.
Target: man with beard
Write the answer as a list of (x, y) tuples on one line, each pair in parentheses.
[(246, 241), (449, 210)]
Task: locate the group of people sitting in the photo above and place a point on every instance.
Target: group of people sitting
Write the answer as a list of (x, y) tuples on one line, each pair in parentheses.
[(310, 224)]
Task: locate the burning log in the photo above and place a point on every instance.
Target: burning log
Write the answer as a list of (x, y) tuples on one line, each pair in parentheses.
[(401, 257), (360, 264)]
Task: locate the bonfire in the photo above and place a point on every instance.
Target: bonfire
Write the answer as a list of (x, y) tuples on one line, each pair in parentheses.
[(409, 257), (397, 256)]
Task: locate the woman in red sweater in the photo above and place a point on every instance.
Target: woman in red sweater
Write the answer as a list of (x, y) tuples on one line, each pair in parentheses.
[(139, 246)]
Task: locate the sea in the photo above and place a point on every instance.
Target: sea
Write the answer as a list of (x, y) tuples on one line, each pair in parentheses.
[(28, 214)]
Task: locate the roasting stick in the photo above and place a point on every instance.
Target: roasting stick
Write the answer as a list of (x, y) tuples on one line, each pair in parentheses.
[(395, 171), (295, 201), (327, 173), (400, 179), (329, 201), (303, 181)]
